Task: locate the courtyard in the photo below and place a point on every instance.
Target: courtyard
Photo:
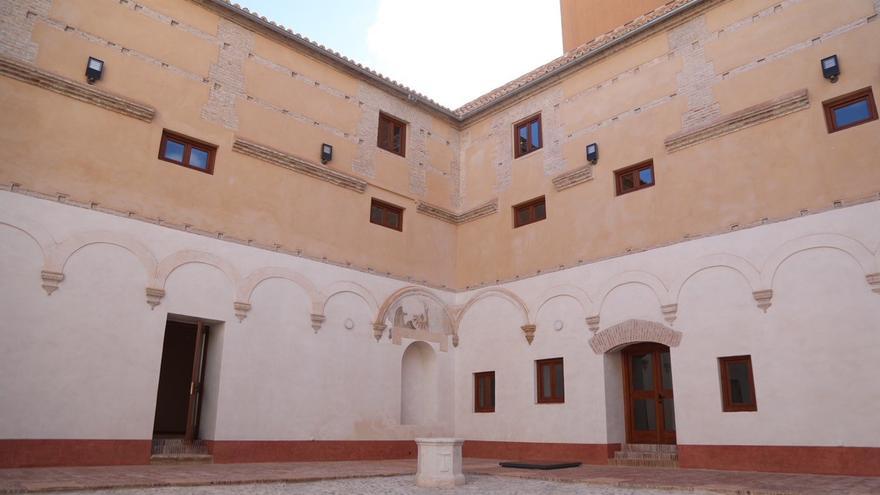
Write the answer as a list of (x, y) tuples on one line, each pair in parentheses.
[(396, 477)]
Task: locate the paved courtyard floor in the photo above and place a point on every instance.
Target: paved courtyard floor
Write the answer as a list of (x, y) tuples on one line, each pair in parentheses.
[(396, 477)]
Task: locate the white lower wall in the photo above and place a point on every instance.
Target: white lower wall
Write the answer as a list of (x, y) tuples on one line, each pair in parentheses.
[(84, 361)]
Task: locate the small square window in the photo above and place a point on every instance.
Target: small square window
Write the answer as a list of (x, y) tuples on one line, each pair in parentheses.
[(737, 384), (188, 152), (551, 381), (633, 178), (386, 215), (850, 110), (527, 136), (531, 211), (484, 391), (392, 134)]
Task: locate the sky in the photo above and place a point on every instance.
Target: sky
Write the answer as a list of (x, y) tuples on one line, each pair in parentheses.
[(449, 50)]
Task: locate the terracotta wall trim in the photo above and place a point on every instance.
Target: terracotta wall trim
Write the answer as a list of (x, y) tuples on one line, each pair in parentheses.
[(851, 461), (18, 453)]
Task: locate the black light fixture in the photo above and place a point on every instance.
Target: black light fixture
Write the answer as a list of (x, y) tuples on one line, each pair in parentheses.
[(831, 68), (94, 69), (326, 153), (593, 153)]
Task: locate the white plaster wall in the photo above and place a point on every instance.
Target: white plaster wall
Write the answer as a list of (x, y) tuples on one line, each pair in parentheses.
[(812, 351), (84, 362)]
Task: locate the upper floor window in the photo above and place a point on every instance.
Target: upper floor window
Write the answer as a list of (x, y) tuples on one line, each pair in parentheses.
[(531, 211), (386, 215), (527, 136), (392, 134), (737, 384), (484, 391), (551, 381), (850, 110), (633, 178), (188, 152)]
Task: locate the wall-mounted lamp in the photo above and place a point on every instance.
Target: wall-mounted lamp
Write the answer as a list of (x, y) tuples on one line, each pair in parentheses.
[(94, 69), (831, 68), (593, 153), (326, 153)]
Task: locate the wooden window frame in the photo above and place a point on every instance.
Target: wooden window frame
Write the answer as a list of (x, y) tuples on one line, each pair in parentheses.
[(727, 402), (638, 167), (188, 144), (484, 375), (527, 122), (386, 207), (539, 366), (845, 100), (391, 122), (529, 205)]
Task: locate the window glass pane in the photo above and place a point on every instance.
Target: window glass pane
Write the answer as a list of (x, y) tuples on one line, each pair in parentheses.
[(393, 219), (740, 385), (853, 113), (491, 399), (627, 182), (669, 414), (522, 216), (198, 158), (376, 214), (645, 415), (481, 393), (559, 392), (536, 134), (174, 150), (396, 139), (540, 211), (545, 380), (666, 370), (646, 176), (523, 139), (642, 372)]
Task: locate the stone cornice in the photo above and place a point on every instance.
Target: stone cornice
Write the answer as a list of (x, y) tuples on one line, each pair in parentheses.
[(295, 164), (40, 78), (441, 213), (573, 177), (726, 124)]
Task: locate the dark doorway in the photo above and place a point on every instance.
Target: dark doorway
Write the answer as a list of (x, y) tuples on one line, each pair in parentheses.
[(650, 405), (178, 401)]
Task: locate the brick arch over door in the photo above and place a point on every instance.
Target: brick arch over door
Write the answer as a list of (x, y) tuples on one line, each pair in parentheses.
[(632, 331)]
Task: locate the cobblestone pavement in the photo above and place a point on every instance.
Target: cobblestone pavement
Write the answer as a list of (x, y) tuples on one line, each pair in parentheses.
[(395, 485), (395, 476)]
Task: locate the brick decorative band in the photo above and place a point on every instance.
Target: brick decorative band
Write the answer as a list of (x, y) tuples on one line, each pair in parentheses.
[(573, 177), (441, 213), (47, 453), (632, 331), (232, 451), (40, 78), (588, 453), (851, 461), (295, 164), (726, 124)]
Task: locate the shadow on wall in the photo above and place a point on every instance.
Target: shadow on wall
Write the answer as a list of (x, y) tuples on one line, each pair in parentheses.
[(418, 385)]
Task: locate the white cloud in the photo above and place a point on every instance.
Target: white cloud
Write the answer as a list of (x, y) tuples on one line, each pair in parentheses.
[(456, 50)]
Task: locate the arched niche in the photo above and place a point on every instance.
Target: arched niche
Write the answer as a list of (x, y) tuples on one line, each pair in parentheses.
[(419, 387)]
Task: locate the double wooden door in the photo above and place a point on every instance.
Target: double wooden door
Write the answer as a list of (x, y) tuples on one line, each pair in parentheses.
[(650, 404)]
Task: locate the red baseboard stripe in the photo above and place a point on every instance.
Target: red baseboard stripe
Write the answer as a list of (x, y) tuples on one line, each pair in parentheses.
[(588, 453), (853, 461), (46, 453), (230, 451)]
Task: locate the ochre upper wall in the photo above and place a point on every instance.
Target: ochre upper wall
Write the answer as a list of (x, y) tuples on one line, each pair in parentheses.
[(583, 20), (753, 62)]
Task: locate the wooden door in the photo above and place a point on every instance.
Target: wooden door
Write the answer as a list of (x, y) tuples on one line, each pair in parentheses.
[(193, 409), (650, 405)]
